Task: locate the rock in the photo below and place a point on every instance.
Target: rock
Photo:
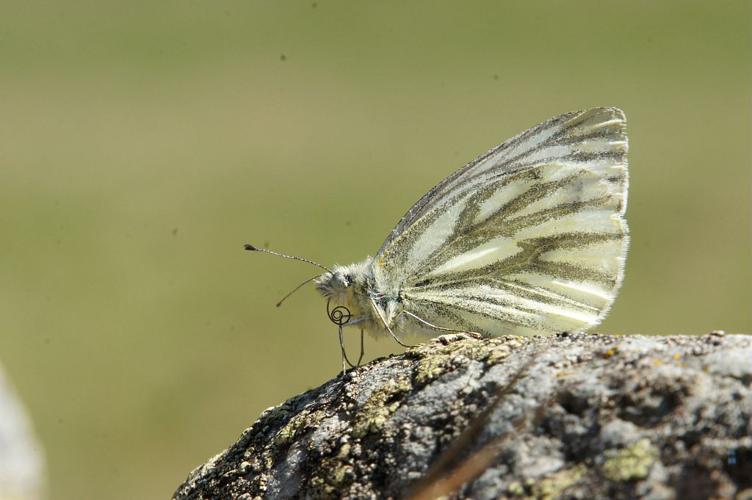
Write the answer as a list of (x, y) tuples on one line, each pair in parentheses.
[(21, 461), (579, 416)]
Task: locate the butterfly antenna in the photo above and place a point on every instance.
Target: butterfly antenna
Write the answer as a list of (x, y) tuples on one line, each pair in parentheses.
[(295, 290), (252, 248)]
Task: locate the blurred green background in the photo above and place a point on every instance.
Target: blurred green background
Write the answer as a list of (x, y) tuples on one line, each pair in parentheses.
[(142, 143)]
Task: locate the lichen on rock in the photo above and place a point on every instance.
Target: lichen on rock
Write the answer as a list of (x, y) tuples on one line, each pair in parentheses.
[(630, 463), (380, 405)]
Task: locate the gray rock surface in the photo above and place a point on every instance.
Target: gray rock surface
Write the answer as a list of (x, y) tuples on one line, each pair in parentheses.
[(21, 461), (573, 416)]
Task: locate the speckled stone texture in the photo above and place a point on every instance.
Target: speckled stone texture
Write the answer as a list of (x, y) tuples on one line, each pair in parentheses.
[(592, 416)]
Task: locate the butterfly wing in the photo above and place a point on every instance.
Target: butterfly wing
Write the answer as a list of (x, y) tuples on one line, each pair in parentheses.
[(529, 238)]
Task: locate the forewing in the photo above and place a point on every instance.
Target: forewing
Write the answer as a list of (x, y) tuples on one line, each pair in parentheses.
[(528, 238)]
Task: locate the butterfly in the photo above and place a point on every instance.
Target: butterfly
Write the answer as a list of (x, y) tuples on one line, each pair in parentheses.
[(529, 238)]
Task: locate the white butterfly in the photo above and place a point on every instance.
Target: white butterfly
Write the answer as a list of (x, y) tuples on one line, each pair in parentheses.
[(529, 238)]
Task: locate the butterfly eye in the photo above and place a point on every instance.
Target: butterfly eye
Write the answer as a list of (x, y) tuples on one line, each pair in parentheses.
[(341, 280)]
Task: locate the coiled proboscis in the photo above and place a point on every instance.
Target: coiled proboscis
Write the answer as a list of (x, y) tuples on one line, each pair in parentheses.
[(340, 315)]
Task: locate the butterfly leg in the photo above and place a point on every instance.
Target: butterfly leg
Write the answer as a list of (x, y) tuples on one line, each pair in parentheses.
[(383, 321), (342, 352), (360, 358), (345, 360), (446, 338)]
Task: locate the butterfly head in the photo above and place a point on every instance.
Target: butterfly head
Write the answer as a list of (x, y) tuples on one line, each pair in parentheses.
[(346, 286), (335, 284)]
